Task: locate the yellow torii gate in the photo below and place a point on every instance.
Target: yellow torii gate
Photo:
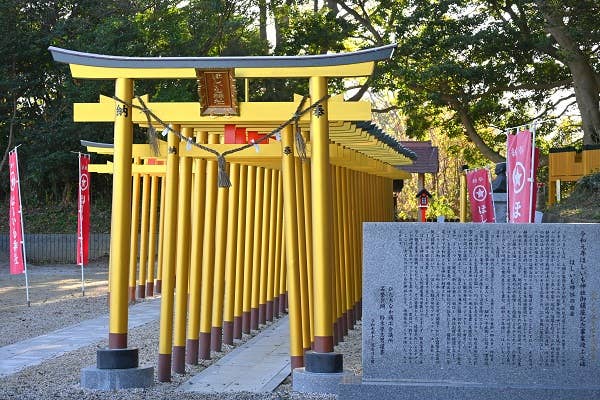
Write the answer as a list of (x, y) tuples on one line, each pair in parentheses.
[(340, 151)]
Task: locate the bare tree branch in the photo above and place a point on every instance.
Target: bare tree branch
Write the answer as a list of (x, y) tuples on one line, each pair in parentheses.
[(363, 20), (534, 86), (564, 111), (554, 104), (362, 90), (384, 110)]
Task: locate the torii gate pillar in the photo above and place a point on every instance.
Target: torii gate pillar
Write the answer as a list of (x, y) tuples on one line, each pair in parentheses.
[(118, 359), (121, 217), (323, 361)]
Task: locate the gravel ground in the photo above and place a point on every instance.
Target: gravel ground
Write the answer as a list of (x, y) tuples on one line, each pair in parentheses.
[(56, 301)]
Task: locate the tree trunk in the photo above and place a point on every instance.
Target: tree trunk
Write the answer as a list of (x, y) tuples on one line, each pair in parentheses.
[(585, 79), (472, 134), (67, 193), (262, 19), (280, 20), (588, 100)]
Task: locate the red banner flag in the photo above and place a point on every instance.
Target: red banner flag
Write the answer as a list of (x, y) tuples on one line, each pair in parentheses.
[(480, 196), (17, 261), (83, 220), (518, 172)]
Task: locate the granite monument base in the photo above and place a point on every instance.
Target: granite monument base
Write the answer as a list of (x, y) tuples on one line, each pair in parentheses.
[(112, 379), (117, 369), (317, 382), (352, 388)]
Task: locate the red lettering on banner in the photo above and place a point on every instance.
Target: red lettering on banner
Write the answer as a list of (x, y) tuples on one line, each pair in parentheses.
[(17, 262), (83, 212), (480, 196)]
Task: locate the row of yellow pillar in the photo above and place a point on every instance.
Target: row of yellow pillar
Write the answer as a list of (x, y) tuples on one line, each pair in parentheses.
[(222, 271), (147, 225), (227, 256), (356, 197), (231, 251)]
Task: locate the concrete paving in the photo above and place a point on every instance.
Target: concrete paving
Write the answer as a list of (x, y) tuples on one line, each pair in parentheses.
[(34, 351), (259, 365)]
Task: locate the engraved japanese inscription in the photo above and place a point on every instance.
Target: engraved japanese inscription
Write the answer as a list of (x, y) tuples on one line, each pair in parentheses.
[(493, 304)]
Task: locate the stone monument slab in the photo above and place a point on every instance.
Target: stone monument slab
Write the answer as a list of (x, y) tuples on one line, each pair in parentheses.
[(492, 310)]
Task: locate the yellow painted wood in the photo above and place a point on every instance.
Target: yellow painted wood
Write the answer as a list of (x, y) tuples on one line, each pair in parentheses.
[(306, 200), (591, 161), (265, 115), (272, 238), (220, 247), (182, 261), (339, 228), (279, 263), (161, 231), (335, 243), (169, 253), (197, 240), (271, 151), (102, 168), (152, 170), (572, 165), (346, 221), (239, 250), (248, 244), (343, 133), (321, 200), (264, 245), (283, 279), (256, 239), (144, 231), (230, 258), (91, 72), (208, 250), (291, 244), (355, 225), (350, 70), (154, 199), (121, 216), (305, 299)]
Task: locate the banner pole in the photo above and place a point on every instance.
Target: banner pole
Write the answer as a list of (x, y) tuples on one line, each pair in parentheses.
[(489, 177), (507, 180), (531, 173), (80, 228), (22, 231)]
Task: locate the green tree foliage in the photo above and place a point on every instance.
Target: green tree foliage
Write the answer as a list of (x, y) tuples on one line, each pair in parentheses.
[(486, 68), (463, 67), (567, 34), (36, 94)]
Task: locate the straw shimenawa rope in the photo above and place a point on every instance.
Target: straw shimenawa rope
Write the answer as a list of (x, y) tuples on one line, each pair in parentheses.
[(223, 179)]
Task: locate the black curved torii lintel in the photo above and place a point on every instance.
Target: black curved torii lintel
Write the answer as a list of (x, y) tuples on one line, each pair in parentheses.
[(323, 60)]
